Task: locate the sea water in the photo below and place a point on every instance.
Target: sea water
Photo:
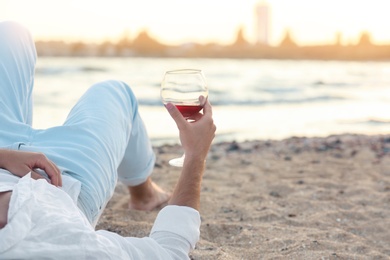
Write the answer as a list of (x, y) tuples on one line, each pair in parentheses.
[(252, 99)]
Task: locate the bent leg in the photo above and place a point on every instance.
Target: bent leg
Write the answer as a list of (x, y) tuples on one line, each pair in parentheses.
[(102, 133), (17, 65)]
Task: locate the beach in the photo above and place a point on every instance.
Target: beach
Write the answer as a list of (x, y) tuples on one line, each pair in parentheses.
[(295, 198), (322, 195)]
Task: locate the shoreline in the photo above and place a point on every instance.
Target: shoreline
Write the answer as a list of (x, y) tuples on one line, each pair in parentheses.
[(296, 198)]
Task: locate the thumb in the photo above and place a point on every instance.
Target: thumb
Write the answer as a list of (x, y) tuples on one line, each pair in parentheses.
[(176, 115)]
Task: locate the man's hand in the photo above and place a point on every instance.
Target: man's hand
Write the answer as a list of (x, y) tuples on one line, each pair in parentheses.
[(21, 163), (195, 135)]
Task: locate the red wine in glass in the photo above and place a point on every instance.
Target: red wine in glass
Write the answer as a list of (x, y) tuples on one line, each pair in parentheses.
[(183, 88), (189, 110)]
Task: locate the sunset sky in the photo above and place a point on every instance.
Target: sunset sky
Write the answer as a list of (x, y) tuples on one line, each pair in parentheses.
[(180, 21)]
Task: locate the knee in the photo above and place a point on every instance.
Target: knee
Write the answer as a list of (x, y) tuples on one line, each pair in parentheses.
[(118, 90), (16, 38), (11, 26), (12, 30), (114, 86)]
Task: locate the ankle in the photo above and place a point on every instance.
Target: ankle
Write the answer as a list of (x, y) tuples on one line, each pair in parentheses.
[(142, 192)]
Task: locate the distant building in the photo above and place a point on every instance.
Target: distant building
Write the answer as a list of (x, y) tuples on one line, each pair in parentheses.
[(365, 40), (338, 39), (240, 39), (262, 23), (288, 41)]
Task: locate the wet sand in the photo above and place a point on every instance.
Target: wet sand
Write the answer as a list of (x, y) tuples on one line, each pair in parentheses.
[(298, 198)]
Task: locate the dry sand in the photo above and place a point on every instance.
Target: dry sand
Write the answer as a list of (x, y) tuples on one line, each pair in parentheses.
[(299, 198)]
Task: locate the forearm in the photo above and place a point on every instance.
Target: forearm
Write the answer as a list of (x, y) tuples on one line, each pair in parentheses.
[(188, 187), (196, 138)]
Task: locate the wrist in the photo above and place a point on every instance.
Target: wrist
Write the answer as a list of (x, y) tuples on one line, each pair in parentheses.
[(193, 160)]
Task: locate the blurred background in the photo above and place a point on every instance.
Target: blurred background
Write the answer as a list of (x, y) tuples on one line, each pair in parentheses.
[(275, 69)]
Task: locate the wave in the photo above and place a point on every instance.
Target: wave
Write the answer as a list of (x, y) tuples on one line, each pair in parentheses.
[(320, 83), (62, 70), (243, 102), (374, 122)]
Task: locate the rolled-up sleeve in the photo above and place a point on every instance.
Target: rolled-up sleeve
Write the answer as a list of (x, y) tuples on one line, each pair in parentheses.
[(174, 233)]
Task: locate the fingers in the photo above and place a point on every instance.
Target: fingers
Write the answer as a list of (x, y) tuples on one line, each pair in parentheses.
[(55, 174), (51, 170), (207, 110), (202, 100), (194, 117), (176, 115)]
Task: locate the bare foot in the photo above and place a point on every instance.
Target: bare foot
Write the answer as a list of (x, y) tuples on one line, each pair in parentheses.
[(147, 196)]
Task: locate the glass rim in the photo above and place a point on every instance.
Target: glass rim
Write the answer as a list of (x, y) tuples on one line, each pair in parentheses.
[(184, 71)]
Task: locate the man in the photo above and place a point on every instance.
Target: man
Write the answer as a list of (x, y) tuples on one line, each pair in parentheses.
[(55, 183)]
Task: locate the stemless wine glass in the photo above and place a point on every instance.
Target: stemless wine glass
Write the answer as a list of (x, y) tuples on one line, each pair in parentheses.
[(183, 88)]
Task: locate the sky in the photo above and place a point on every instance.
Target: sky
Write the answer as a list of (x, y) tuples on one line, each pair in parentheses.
[(203, 21)]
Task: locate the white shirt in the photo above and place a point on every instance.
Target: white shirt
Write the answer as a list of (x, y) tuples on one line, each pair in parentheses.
[(45, 222)]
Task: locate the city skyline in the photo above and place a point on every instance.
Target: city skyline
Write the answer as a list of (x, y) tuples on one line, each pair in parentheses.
[(175, 21)]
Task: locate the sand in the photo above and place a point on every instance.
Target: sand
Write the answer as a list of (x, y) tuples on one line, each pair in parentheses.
[(298, 198)]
